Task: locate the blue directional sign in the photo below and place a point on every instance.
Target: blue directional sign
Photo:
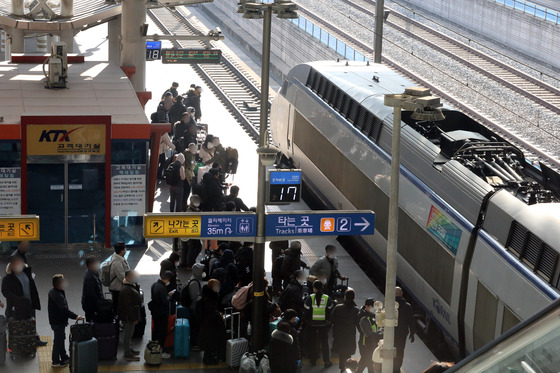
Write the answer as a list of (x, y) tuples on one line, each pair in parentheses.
[(319, 223), (227, 226)]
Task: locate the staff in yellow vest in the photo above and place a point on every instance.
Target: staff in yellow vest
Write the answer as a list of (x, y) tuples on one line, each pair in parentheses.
[(369, 335), (318, 307)]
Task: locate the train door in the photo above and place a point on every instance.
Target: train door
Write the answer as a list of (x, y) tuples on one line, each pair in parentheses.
[(69, 199)]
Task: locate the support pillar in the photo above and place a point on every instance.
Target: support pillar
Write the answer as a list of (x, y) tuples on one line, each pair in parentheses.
[(133, 52), (66, 8), (67, 36), (114, 32), (17, 40), (17, 7)]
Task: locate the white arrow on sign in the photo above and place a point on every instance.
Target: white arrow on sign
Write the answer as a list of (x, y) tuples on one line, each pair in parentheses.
[(365, 224)]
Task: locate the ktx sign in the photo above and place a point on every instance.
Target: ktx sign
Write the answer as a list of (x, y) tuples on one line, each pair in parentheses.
[(243, 226)]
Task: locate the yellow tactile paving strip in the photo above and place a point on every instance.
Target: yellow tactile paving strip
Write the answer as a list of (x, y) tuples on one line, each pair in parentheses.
[(44, 356)]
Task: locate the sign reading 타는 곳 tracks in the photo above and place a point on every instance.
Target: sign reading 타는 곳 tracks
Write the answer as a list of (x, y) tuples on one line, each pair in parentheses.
[(19, 228), (234, 227)]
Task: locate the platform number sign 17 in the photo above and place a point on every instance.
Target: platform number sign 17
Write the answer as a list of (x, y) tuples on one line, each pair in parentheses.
[(284, 186), (153, 50)]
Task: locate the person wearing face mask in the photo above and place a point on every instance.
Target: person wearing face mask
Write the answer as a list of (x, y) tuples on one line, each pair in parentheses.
[(345, 321), (207, 150), (292, 296), (191, 134), (189, 165), (170, 264), (327, 264), (129, 312), (369, 336), (92, 290), (17, 284), (159, 307), (220, 155), (212, 336), (59, 313), (118, 267)]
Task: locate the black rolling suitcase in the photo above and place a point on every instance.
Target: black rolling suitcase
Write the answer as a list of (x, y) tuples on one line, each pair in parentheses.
[(339, 289), (141, 326)]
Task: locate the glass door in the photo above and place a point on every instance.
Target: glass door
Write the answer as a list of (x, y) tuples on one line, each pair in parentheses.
[(46, 197), (86, 202)]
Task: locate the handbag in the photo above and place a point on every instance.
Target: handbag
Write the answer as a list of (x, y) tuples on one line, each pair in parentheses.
[(81, 331)]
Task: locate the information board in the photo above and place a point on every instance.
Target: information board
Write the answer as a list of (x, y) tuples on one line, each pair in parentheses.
[(153, 50), (10, 190), (212, 225), (284, 186), (191, 55), (19, 228), (128, 189), (319, 223)]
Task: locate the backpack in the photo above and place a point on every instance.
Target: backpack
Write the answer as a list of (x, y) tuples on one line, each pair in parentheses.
[(152, 353), (186, 300), (232, 160), (153, 117), (172, 174), (106, 279), (239, 299)]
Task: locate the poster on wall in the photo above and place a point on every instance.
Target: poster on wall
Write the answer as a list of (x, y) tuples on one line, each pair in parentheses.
[(10, 191), (128, 190)]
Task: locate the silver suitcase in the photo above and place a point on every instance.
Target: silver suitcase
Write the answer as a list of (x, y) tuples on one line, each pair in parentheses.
[(235, 347)]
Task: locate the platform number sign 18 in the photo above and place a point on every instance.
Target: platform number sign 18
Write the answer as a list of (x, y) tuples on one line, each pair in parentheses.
[(284, 186), (153, 50)]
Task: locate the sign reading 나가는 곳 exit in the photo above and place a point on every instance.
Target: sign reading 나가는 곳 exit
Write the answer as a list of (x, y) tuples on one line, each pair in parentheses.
[(19, 228), (65, 139)]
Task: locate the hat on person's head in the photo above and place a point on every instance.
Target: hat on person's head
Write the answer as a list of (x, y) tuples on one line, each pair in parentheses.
[(193, 85), (167, 94), (369, 302), (175, 84), (214, 171), (289, 314)]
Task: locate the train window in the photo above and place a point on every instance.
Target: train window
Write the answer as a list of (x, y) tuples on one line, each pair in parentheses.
[(532, 250), (368, 123), (359, 122), (322, 85), (376, 130), (333, 97), (311, 79), (353, 111), (340, 102), (547, 263), (516, 240)]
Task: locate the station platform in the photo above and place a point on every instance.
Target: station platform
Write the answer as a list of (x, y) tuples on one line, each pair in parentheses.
[(70, 261)]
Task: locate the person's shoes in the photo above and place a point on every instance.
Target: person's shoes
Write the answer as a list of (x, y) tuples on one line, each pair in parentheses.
[(165, 355), (328, 364), (196, 348), (133, 358), (41, 343), (56, 365), (134, 352), (65, 361)]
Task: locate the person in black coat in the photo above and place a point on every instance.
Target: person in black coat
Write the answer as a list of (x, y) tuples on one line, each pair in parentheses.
[(213, 191), (21, 251), (176, 111), (345, 322), (292, 296), (92, 290), (194, 101), (159, 307), (170, 264), (292, 262), (212, 338), (281, 354), (244, 263), (59, 313), (406, 326), (18, 275)]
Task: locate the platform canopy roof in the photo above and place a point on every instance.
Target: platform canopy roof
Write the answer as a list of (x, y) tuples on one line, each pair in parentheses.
[(98, 88)]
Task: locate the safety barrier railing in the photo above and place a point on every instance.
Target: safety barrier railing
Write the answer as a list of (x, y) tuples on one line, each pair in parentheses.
[(329, 40), (532, 9)]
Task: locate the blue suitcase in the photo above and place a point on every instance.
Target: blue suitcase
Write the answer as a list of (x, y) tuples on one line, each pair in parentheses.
[(83, 356), (182, 338)]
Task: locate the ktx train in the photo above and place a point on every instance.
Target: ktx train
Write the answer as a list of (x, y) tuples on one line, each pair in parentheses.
[(479, 225)]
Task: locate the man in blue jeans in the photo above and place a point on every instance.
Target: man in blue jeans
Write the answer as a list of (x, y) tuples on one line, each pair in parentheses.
[(58, 318)]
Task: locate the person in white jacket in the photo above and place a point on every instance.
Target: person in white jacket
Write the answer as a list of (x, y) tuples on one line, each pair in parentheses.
[(164, 145), (119, 267)]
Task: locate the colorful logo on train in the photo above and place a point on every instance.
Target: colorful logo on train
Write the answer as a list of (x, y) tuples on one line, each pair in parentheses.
[(65, 139), (447, 233)]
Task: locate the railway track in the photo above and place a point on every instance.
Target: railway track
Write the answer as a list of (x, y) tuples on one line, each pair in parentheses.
[(532, 153), (227, 80), (536, 90)]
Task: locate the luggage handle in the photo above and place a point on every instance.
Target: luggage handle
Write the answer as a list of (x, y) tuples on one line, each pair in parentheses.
[(81, 321), (347, 281), (109, 293), (233, 319)]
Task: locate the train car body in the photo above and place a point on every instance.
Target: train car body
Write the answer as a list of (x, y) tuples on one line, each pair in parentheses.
[(477, 252)]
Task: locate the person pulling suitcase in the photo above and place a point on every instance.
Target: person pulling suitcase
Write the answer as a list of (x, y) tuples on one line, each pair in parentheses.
[(59, 313), (130, 312)]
